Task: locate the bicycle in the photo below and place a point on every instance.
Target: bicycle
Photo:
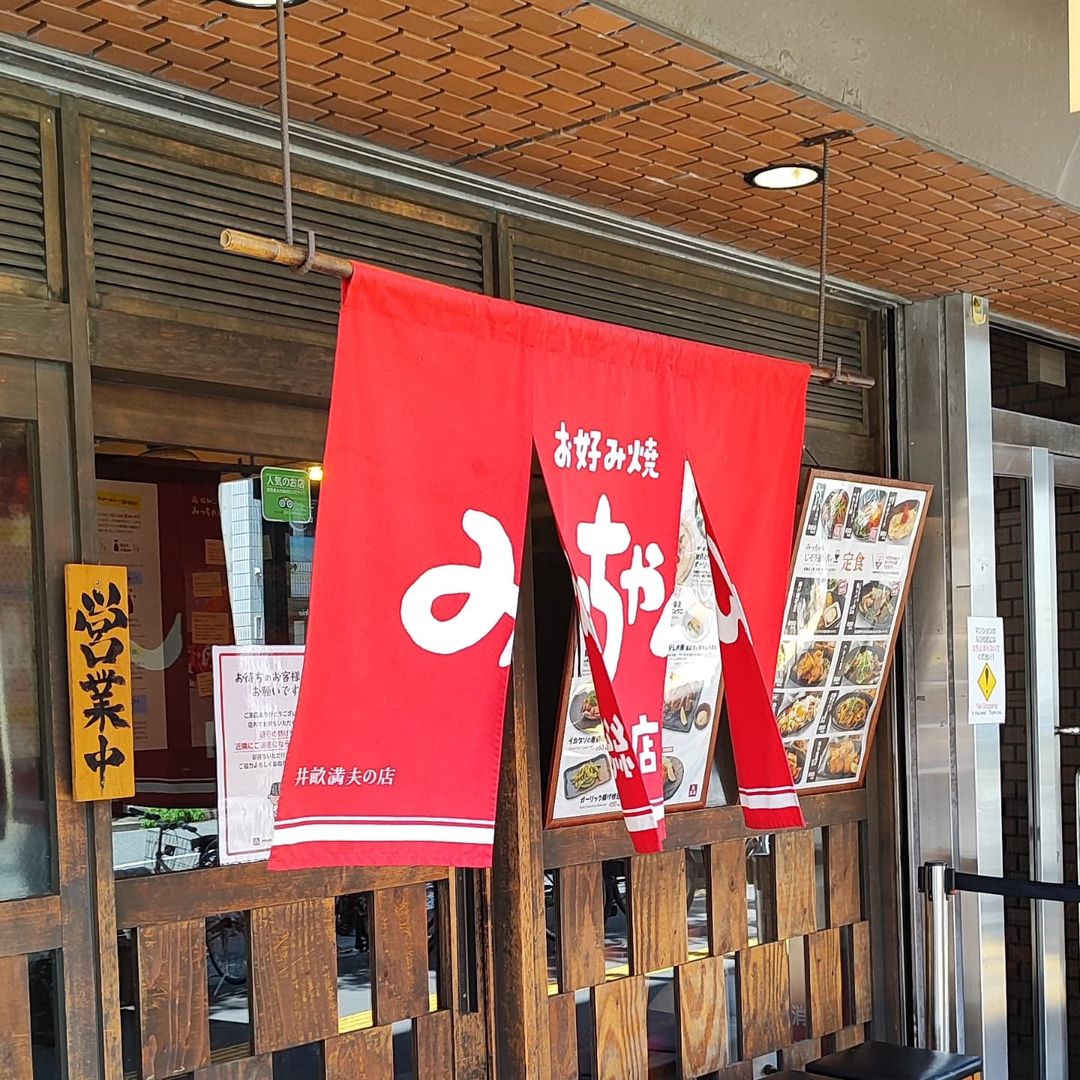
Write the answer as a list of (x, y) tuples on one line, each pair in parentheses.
[(178, 844), (226, 948)]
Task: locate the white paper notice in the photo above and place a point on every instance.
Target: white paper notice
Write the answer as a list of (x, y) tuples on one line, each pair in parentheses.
[(986, 670), (255, 695)]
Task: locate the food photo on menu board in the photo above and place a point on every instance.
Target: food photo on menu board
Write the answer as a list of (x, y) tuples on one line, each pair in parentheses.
[(854, 556), (582, 786)]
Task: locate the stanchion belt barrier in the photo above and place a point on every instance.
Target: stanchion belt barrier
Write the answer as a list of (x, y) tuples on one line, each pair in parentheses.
[(955, 882)]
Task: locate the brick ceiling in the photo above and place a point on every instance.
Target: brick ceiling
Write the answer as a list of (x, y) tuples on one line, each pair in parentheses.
[(579, 102)]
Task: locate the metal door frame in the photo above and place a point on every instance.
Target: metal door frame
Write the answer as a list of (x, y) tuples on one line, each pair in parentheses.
[(1041, 469), (953, 790)]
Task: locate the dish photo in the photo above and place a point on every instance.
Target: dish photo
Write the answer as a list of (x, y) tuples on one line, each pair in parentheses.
[(796, 758), (674, 771), (696, 622), (863, 665), (585, 711), (680, 706), (841, 758), (834, 513), (877, 605), (851, 711), (807, 605), (688, 542), (785, 654), (581, 779), (798, 714), (811, 666), (867, 519), (902, 520), (831, 614), (819, 605), (703, 716)]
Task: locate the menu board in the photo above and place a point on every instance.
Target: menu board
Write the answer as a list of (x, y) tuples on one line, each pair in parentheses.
[(857, 542), (582, 784)]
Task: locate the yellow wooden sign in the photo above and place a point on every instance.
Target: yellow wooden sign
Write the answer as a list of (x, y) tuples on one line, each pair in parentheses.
[(99, 682), (1074, 55)]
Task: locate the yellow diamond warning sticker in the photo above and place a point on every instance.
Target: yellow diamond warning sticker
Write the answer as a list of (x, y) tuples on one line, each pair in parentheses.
[(986, 670)]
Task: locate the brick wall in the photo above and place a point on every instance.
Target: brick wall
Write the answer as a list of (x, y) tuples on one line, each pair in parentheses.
[(1008, 510), (1068, 543), (1011, 389)]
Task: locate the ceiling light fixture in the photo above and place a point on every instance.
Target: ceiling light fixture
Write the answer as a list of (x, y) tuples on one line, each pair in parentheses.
[(783, 177)]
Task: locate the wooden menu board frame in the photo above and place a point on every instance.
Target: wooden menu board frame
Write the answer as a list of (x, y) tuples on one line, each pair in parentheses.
[(556, 761), (693, 691), (848, 640)]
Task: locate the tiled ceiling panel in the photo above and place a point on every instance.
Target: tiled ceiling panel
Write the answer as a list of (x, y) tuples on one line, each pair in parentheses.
[(575, 100)]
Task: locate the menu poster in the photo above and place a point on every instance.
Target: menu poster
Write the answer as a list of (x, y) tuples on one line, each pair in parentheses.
[(857, 542), (127, 527), (582, 784), (207, 620)]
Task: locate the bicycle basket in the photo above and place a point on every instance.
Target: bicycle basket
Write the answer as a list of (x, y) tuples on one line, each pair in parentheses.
[(176, 851)]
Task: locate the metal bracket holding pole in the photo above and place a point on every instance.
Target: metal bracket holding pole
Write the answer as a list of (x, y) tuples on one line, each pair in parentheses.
[(824, 140), (309, 263), (283, 116)]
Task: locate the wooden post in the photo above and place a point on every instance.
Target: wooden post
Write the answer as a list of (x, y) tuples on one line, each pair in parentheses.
[(521, 1020), (87, 895)]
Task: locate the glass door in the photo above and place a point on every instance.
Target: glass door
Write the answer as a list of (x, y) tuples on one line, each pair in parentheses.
[(1066, 509), (1037, 533)]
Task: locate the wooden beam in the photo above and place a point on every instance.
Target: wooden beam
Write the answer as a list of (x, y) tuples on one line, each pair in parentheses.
[(689, 828), (91, 1007), (34, 329), (142, 901), (29, 926)]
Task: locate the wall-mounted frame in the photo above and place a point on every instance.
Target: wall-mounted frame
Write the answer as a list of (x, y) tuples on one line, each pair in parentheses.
[(851, 572)]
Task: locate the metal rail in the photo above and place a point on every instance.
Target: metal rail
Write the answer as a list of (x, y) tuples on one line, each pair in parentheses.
[(939, 882)]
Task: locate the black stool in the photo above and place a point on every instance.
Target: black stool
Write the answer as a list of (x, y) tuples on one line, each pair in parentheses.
[(887, 1061)]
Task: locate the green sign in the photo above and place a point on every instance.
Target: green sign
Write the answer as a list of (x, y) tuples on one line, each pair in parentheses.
[(286, 495)]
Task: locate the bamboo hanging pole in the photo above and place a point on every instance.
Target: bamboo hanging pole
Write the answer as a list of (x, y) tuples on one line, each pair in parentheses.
[(296, 255)]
